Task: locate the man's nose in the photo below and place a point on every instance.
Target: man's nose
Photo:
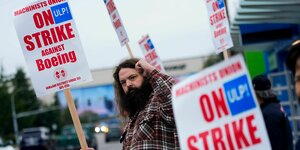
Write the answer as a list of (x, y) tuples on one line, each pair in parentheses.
[(129, 83)]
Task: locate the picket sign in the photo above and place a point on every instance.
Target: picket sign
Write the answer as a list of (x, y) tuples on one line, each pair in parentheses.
[(150, 54), (118, 25), (53, 52), (217, 109), (219, 25)]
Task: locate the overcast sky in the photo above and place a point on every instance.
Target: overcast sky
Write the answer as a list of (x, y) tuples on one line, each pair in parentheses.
[(177, 28)]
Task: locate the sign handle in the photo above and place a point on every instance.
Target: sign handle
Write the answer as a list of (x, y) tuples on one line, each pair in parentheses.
[(75, 119), (225, 54), (129, 50)]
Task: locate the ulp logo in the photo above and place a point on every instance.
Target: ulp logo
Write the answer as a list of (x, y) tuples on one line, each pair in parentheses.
[(219, 4), (238, 95), (61, 13), (148, 46)]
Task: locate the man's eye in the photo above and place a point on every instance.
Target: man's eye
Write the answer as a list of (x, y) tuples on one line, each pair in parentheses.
[(122, 82), (132, 77)]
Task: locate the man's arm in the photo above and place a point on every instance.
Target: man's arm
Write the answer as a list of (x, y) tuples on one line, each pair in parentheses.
[(157, 79), (162, 86)]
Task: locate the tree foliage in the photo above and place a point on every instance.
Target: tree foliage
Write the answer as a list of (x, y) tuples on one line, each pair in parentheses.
[(213, 59), (18, 88), (51, 119), (88, 117), (6, 128), (25, 99)]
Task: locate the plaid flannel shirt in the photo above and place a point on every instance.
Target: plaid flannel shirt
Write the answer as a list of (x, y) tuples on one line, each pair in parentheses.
[(154, 126)]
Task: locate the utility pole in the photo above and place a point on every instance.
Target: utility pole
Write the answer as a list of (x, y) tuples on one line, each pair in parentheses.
[(14, 117)]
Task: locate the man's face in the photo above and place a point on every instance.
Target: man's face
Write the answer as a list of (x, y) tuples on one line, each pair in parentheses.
[(297, 78), (130, 78)]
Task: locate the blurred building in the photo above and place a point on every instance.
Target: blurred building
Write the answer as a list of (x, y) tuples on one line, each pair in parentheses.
[(263, 30)]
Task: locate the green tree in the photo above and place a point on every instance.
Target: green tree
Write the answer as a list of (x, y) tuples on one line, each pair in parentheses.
[(6, 125), (213, 59), (17, 87), (88, 117), (216, 58), (66, 117), (51, 118), (25, 99)]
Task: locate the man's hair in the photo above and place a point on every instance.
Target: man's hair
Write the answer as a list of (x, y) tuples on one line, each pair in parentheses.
[(119, 92), (293, 55), (262, 87)]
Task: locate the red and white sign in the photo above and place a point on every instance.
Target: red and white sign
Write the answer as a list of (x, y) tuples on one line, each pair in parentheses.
[(150, 53), (116, 21), (51, 46), (217, 109), (219, 25)]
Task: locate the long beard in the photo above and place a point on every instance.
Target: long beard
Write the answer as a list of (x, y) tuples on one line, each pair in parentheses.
[(137, 98)]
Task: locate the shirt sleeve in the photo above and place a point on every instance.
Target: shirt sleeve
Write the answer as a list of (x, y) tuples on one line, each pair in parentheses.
[(162, 86)]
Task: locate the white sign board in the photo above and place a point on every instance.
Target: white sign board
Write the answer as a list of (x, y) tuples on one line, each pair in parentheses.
[(217, 109), (150, 53), (51, 46), (219, 25), (116, 21)]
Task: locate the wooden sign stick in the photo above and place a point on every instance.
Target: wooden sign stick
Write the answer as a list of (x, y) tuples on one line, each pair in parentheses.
[(75, 119), (129, 50), (225, 54)]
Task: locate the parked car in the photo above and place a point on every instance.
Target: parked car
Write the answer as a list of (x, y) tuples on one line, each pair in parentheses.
[(5, 146), (37, 138), (68, 139), (111, 128)]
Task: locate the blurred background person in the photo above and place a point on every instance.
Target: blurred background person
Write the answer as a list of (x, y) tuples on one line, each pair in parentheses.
[(276, 121)]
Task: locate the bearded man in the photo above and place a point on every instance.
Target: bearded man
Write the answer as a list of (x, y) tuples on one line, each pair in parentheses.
[(143, 95)]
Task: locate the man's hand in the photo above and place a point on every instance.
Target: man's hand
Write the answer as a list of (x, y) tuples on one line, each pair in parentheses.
[(144, 67)]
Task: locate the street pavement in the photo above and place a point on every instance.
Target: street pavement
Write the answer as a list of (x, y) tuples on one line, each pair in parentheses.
[(114, 145)]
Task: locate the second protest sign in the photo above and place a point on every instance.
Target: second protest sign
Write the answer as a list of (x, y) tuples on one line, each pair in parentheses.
[(217, 109)]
